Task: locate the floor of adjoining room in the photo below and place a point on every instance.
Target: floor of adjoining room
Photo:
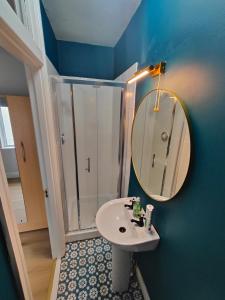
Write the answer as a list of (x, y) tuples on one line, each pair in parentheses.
[(17, 199), (37, 252), (86, 273)]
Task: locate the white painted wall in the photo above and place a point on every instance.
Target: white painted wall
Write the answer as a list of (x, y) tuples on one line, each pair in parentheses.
[(98, 27), (50, 67), (12, 75), (10, 162), (129, 108), (56, 111)]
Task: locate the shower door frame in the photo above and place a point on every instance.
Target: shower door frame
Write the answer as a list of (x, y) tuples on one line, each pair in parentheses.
[(90, 232)]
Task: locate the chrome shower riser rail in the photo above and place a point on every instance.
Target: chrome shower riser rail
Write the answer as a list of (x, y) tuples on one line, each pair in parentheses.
[(88, 81)]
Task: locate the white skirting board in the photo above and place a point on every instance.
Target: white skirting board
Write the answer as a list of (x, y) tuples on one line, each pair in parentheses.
[(142, 284), (55, 280)]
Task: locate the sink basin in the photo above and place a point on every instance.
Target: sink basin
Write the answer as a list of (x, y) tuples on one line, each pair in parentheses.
[(113, 223)]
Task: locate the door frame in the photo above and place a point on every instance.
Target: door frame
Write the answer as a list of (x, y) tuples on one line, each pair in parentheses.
[(28, 47)]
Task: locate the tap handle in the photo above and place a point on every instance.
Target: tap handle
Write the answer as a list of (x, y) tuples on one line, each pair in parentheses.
[(141, 218), (139, 222), (131, 206)]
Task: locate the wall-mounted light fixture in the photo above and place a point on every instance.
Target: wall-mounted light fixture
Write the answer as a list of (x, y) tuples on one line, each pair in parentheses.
[(148, 71)]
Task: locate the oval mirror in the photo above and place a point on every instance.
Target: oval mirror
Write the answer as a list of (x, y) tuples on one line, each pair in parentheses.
[(161, 144)]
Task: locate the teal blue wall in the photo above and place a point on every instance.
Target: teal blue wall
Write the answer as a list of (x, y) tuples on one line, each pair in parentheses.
[(8, 289), (49, 38), (190, 35), (77, 59), (84, 60)]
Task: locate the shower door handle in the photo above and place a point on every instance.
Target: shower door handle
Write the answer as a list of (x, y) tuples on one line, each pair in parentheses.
[(153, 160), (62, 139), (89, 165)]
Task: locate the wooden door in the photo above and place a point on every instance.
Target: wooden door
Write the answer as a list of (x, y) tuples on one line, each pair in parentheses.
[(26, 153)]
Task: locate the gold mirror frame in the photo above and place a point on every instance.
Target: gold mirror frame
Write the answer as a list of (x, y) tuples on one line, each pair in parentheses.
[(189, 141)]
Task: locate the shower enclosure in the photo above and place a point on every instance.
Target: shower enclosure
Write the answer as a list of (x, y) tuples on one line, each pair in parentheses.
[(90, 118)]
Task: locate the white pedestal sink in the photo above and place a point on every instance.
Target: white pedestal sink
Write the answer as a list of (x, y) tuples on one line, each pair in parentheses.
[(113, 222)]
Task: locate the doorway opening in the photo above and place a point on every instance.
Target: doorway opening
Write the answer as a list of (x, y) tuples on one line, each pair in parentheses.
[(20, 158)]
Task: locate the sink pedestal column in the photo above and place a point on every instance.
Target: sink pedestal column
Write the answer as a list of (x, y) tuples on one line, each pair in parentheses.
[(121, 268)]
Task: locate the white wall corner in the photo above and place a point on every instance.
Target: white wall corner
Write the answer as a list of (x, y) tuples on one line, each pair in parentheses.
[(50, 67), (129, 109), (142, 284)]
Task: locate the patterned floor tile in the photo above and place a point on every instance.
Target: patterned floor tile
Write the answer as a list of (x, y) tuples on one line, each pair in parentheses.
[(86, 273)]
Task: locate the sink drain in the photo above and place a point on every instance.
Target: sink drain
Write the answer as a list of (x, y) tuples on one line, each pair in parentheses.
[(122, 229)]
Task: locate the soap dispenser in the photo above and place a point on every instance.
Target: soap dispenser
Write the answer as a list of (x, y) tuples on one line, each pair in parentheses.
[(137, 208)]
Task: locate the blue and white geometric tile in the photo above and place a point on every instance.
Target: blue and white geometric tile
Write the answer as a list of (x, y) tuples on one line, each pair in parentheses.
[(86, 273)]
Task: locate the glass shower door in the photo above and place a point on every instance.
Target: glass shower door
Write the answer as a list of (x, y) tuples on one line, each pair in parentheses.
[(69, 179), (85, 115), (109, 143), (97, 115)]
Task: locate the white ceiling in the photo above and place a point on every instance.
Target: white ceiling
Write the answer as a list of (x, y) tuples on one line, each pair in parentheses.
[(98, 22)]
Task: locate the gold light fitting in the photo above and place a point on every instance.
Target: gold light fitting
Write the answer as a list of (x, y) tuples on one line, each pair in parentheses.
[(150, 70)]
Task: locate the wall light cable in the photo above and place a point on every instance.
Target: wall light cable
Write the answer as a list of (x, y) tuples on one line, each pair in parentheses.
[(156, 106)]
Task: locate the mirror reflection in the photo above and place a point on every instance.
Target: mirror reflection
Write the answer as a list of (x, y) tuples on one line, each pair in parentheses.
[(160, 145)]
